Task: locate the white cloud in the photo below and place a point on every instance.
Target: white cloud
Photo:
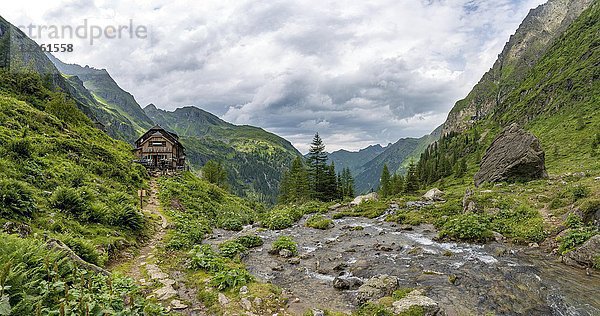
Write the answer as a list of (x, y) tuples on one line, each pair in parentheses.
[(359, 72)]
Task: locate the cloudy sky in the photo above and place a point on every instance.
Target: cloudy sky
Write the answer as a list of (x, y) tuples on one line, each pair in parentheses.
[(358, 72)]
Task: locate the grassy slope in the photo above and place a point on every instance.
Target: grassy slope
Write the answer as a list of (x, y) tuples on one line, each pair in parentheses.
[(558, 101), (64, 179)]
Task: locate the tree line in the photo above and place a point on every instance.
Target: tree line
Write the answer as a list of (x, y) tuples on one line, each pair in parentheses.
[(313, 179), (443, 158)]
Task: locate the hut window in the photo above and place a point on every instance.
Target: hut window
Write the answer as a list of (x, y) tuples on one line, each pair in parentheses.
[(158, 143)]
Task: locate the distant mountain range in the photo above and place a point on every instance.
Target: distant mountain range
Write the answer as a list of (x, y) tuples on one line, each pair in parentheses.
[(254, 157), (366, 164)]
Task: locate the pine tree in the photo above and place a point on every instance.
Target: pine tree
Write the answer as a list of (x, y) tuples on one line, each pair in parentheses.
[(347, 183), (294, 186), (317, 169), (331, 185), (285, 188), (412, 180), (214, 173), (384, 182), (396, 184)]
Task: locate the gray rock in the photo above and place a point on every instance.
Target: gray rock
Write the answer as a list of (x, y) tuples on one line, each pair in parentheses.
[(347, 283), (434, 194), (165, 293), (246, 304), (377, 287), (223, 300), (244, 290), (515, 155), (286, 253), (294, 260), (177, 305), (418, 204), (23, 230), (318, 312), (585, 254), (416, 298), (362, 198)]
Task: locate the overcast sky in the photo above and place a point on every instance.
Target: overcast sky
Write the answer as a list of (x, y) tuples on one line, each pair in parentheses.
[(358, 72)]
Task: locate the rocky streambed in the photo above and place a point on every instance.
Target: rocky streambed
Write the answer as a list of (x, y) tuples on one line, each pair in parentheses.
[(464, 279)]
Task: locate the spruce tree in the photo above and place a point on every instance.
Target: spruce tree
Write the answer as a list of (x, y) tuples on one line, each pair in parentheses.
[(347, 183), (412, 181), (294, 186), (317, 168), (214, 173), (384, 182)]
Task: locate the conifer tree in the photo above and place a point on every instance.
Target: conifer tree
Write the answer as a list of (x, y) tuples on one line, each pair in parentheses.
[(384, 182), (396, 184), (214, 172), (412, 181), (294, 186), (346, 183), (317, 169)]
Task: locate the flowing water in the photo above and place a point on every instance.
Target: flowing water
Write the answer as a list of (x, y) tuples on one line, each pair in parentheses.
[(493, 278)]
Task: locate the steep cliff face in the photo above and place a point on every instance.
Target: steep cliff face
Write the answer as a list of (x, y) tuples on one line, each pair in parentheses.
[(538, 31)]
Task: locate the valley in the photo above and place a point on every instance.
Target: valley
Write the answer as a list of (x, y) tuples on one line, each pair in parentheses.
[(495, 212)]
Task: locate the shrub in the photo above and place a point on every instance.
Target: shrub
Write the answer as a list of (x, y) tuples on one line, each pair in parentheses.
[(126, 215), (21, 148), (231, 278), (373, 309), (573, 221), (250, 241), (33, 278), (281, 217), (231, 248), (574, 238), (70, 201), (319, 222), (468, 227), (203, 257), (579, 192), (231, 224), (285, 242), (16, 198), (85, 250)]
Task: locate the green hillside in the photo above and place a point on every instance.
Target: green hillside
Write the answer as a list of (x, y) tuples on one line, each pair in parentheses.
[(255, 159), (62, 179), (557, 100), (109, 103), (394, 155), (354, 160)]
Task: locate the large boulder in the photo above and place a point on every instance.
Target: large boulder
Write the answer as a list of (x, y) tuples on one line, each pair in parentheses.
[(585, 254), (377, 287), (416, 298), (363, 198), (515, 155), (434, 194)]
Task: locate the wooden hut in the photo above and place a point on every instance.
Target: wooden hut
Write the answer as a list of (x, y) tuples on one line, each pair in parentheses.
[(160, 149)]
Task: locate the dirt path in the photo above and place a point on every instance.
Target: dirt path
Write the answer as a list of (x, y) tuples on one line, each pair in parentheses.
[(146, 252), (165, 286)]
